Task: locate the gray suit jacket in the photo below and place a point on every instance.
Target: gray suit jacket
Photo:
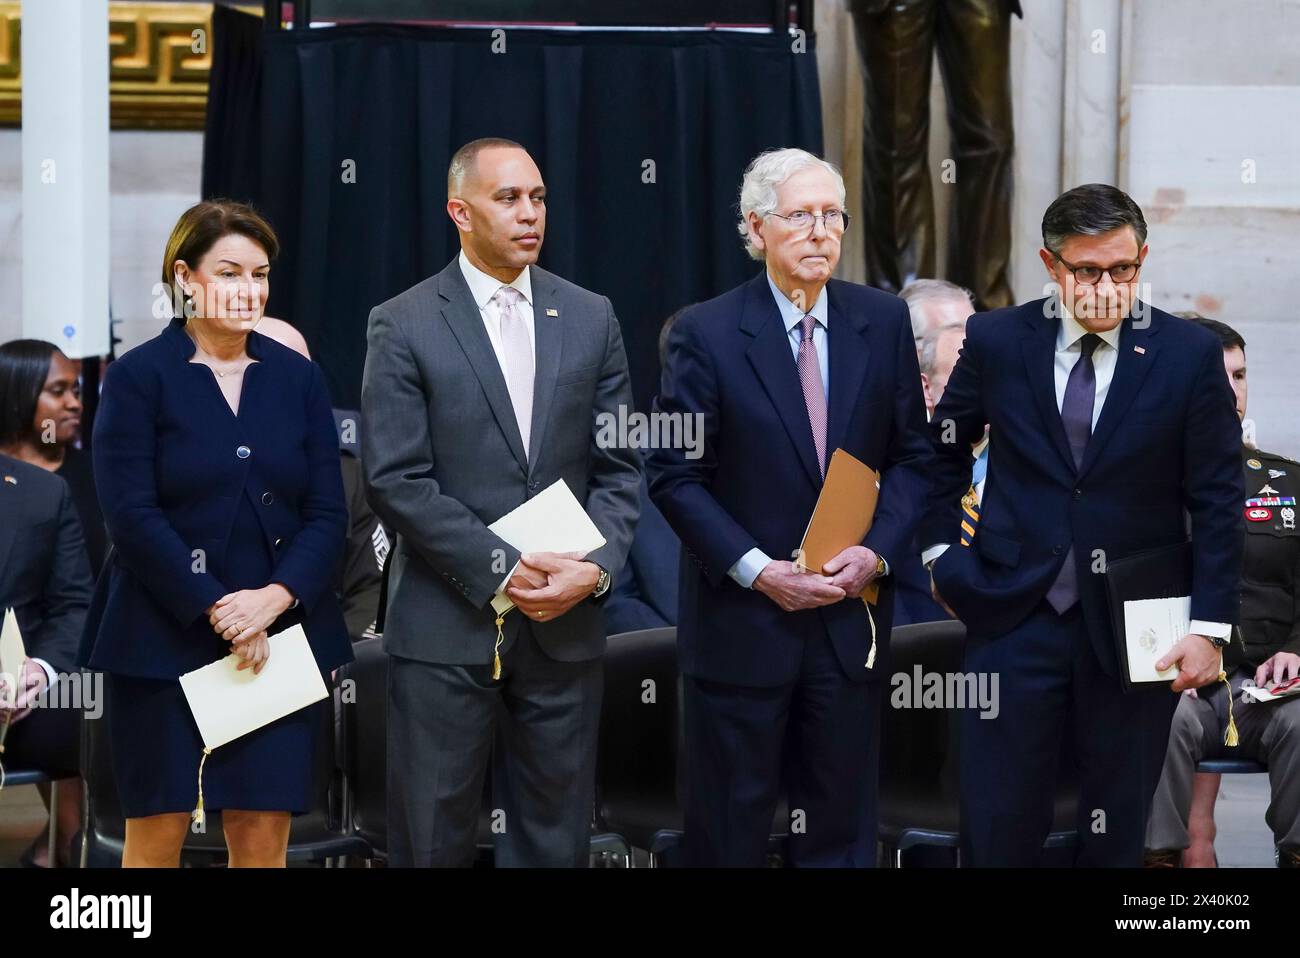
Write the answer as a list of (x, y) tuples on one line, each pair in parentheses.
[(443, 459)]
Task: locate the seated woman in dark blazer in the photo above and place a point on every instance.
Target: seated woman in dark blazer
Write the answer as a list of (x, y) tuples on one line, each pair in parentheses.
[(217, 465), (40, 420)]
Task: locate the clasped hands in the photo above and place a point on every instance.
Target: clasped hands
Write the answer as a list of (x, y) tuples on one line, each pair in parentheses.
[(545, 585), (32, 681), (242, 619), (847, 574)]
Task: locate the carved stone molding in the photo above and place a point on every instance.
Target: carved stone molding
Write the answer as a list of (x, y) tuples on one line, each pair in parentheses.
[(159, 58)]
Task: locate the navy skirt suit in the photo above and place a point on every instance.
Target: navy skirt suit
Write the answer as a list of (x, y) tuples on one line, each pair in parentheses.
[(200, 502)]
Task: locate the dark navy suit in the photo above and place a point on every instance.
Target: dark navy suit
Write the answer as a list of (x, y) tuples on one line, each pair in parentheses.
[(200, 502), (778, 698), (1165, 448), (645, 595)]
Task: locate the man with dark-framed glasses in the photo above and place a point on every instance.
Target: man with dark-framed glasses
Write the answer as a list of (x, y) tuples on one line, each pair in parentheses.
[(1108, 436), (781, 678)]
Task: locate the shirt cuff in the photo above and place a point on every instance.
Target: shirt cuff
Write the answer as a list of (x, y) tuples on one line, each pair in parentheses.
[(746, 570), (1215, 630), (506, 581), (932, 553), (49, 671)]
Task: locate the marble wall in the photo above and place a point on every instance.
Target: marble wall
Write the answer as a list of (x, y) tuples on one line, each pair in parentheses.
[(153, 177)]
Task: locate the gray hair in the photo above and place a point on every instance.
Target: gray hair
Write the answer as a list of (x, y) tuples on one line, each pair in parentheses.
[(762, 178), (921, 291), (928, 354)]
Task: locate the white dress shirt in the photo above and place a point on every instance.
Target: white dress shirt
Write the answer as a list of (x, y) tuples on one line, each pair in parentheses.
[(748, 566), (1069, 347), (482, 288)]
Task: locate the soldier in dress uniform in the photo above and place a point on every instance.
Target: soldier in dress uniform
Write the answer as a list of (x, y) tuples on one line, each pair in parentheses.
[(1265, 651)]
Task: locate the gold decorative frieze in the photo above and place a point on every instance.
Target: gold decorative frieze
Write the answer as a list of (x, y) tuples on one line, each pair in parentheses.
[(159, 58)]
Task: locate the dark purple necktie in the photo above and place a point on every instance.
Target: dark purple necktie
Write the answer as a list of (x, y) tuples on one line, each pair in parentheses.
[(1076, 417)]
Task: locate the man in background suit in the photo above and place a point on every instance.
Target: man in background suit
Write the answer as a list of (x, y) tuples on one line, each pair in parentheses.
[(45, 578), (1108, 429), (938, 310), (482, 386), (644, 596), (44, 573), (782, 678), (357, 579)]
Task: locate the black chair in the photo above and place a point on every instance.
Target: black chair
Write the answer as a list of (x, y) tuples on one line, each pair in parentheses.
[(319, 835), (364, 754), (919, 802), (31, 776), (364, 744), (639, 774)]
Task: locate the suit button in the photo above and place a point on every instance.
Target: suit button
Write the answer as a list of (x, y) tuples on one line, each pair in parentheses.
[(533, 485), (243, 452), (1056, 550), (1078, 493), (267, 498), (277, 543)]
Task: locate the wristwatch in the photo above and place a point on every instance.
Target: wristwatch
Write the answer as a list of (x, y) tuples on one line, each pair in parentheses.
[(880, 566), (602, 584), (1220, 642)]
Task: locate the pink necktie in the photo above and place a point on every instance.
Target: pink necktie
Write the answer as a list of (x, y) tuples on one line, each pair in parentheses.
[(810, 377), (520, 364)]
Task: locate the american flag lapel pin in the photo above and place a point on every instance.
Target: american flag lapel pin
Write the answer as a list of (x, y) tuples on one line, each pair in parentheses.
[(1140, 350), (11, 480), (552, 311)]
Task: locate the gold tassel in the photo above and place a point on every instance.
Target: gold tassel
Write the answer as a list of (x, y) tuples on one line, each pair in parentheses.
[(1229, 737), (197, 816), (496, 650), (871, 656)]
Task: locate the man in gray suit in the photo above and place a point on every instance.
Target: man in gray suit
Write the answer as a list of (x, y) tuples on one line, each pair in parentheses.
[(482, 387)]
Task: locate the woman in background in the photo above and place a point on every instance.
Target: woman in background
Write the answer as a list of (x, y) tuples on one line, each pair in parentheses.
[(40, 421)]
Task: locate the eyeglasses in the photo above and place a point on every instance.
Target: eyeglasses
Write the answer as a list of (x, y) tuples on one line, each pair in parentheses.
[(1091, 275), (835, 221)]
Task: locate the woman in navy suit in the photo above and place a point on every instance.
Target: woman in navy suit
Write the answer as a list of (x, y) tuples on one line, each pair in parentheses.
[(216, 460)]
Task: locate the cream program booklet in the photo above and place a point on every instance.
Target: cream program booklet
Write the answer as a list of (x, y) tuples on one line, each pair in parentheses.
[(228, 703), (551, 521), (12, 656), (1151, 628)]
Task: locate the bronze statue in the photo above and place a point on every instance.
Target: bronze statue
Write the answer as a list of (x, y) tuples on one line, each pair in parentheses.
[(897, 40)]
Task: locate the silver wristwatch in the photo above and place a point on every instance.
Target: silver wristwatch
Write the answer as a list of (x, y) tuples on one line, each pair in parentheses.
[(602, 584)]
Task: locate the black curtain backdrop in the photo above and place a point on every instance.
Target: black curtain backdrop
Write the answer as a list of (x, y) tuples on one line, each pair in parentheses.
[(232, 161), (392, 103)]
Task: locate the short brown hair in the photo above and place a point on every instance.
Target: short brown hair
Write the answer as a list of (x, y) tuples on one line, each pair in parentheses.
[(464, 159), (199, 228)]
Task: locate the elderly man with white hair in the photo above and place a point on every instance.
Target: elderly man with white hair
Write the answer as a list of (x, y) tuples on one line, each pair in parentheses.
[(783, 670), (939, 310)]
